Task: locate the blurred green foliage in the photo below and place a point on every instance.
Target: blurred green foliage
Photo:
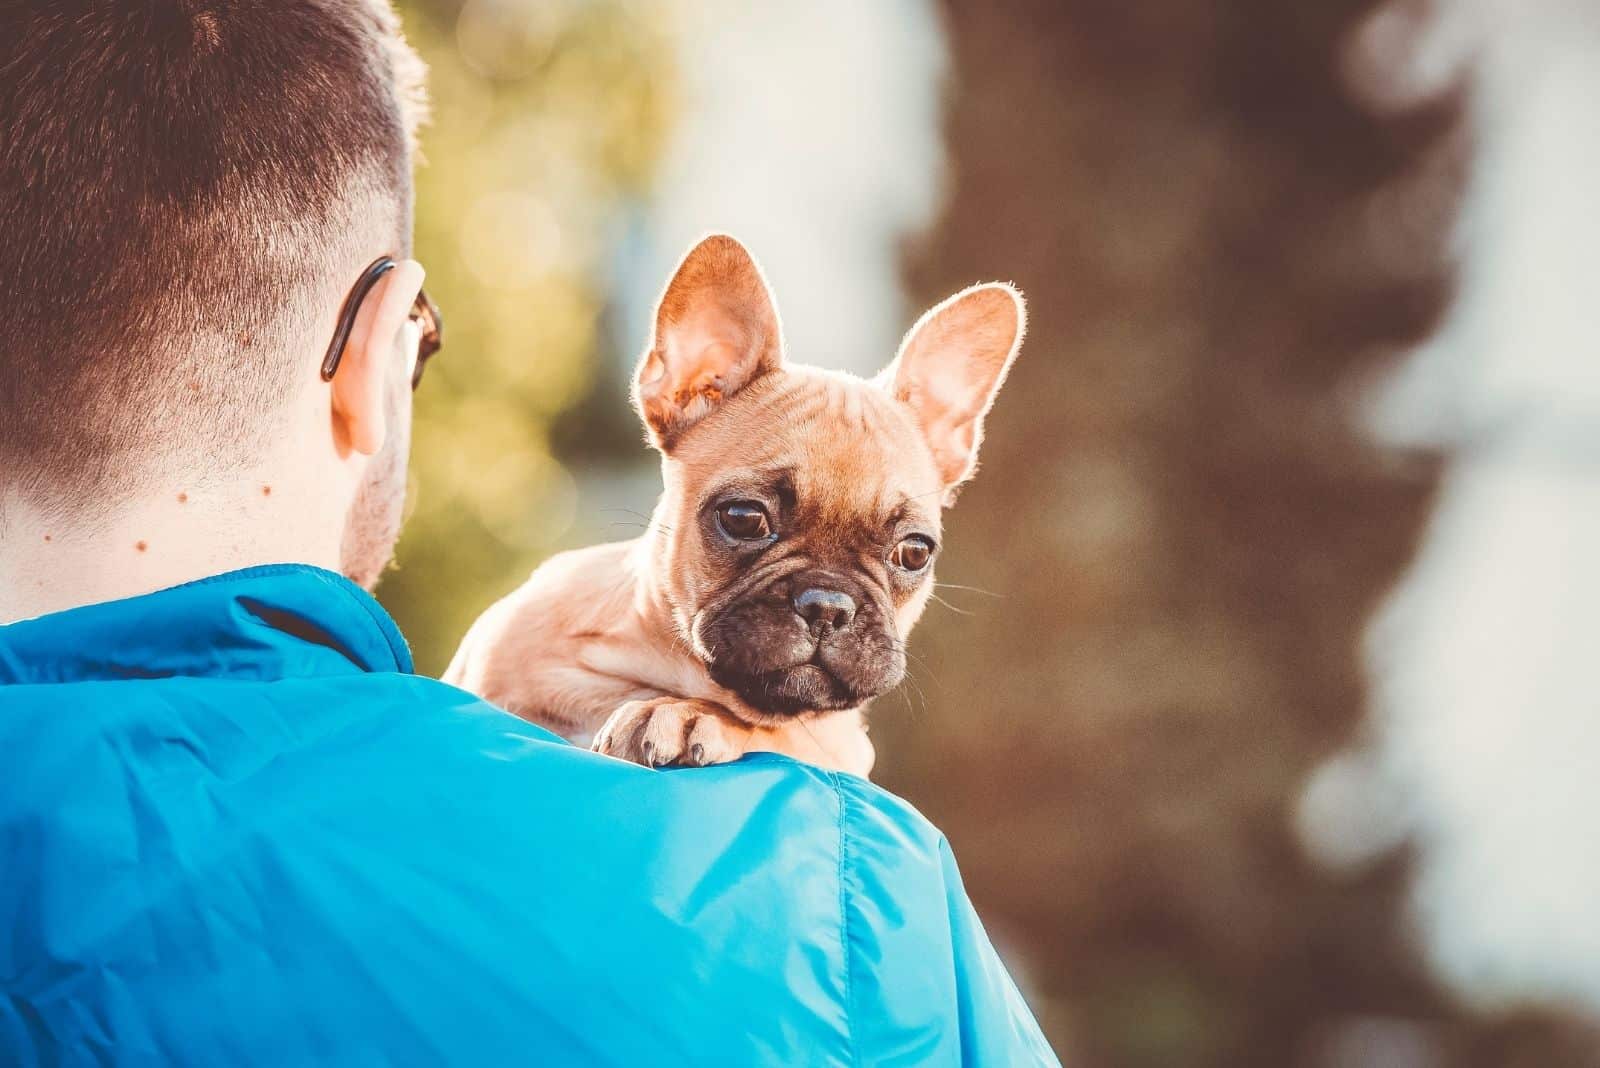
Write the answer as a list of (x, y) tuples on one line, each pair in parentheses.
[(547, 119)]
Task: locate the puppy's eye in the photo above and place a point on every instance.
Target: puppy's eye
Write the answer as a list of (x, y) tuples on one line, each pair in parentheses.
[(744, 521), (912, 554)]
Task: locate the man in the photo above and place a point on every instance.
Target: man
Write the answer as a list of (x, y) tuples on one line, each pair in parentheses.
[(235, 827)]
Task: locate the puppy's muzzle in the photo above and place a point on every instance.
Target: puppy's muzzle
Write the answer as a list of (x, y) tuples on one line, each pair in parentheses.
[(810, 640)]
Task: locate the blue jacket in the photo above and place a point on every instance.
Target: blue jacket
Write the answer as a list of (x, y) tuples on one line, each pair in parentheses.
[(236, 829)]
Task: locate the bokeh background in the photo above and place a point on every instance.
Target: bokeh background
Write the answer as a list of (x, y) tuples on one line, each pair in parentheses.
[(1258, 706)]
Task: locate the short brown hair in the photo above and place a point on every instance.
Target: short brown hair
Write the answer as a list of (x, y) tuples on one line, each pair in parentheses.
[(182, 183)]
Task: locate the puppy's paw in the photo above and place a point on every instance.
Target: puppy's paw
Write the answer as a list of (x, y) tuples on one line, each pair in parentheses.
[(672, 730)]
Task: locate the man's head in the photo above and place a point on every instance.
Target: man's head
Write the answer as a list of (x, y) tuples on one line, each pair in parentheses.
[(188, 188)]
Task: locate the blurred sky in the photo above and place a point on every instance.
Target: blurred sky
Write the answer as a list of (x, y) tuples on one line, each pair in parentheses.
[(1486, 656), (811, 132)]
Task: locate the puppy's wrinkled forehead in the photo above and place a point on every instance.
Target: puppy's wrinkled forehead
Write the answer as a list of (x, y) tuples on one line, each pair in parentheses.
[(848, 450)]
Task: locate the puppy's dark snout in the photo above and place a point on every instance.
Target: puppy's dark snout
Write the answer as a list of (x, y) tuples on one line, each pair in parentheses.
[(822, 608)]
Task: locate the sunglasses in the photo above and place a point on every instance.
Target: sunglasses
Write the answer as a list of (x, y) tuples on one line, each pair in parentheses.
[(423, 312)]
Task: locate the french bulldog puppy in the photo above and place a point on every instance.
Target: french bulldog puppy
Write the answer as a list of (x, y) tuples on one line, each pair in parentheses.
[(792, 548)]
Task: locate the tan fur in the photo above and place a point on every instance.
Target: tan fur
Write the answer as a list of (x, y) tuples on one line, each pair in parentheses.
[(603, 644)]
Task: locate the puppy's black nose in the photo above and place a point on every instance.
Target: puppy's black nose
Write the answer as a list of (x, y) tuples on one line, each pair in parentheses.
[(825, 608)]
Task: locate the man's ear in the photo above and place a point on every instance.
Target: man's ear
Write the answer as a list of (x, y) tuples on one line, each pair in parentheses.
[(950, 367), (716, 331), (366, 374)]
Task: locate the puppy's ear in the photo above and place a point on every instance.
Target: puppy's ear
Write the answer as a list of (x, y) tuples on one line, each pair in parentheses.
[(716, 331), (950, 367)]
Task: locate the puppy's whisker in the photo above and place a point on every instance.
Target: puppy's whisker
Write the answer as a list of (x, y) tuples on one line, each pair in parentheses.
[(902, 645), (906, 687), (909, 678), (940, 600), (807, 728), (921, 694), (929, 670), (969, 589), (648, 521)]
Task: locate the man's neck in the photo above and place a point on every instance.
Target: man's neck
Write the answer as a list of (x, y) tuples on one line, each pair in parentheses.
[(50, 564)]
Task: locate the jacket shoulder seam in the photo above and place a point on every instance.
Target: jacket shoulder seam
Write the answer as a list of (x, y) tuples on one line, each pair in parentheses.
[(848, 954)]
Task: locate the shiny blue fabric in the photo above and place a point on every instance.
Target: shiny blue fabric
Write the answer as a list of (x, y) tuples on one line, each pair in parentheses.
[(235, 829)]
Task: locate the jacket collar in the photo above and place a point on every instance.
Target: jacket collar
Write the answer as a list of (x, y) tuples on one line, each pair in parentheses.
[(272, 622)]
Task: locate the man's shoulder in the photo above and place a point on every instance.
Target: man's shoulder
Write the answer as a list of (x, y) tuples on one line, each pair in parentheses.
[(338, 854), (377, 817)]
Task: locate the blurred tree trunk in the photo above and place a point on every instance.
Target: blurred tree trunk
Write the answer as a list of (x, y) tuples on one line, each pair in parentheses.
[(1182, 529)]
